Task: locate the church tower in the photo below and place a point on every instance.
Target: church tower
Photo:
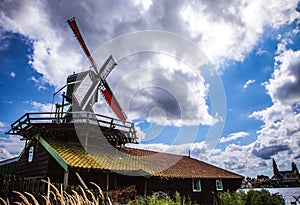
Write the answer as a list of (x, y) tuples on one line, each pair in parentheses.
[(295, 169), (275, 169)]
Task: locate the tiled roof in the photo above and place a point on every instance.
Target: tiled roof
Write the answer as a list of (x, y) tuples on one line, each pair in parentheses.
[(135, 161)]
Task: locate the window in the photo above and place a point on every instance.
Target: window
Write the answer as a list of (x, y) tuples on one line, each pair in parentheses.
[(196, 185), (219, 184), (30, 154)]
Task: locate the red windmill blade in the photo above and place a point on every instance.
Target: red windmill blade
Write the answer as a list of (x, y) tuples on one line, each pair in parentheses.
[(90, 83), (112, 101), (75, 29)]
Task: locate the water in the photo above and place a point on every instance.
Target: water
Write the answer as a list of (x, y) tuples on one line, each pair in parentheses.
[(286, 193)]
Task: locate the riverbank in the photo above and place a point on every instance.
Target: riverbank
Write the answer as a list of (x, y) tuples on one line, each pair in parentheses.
[(287, 193)]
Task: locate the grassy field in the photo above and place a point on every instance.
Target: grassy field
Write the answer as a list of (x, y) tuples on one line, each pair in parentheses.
[(56, 196)]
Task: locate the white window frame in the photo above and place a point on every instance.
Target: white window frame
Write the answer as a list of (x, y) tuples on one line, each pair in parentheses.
[(219, 185), (30, 153), (195, 189)]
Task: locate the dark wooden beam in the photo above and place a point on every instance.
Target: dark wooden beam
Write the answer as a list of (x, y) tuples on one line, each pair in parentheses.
[(66, 179)]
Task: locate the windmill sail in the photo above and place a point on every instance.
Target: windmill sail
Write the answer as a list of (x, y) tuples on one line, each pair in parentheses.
[(87, 89), (107, 67), (77, 33), (111, 100), (85, 92)]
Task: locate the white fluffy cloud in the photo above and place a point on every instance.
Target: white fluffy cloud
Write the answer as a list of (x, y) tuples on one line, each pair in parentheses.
[(236, 158), (12, 74), (281, 132), (234, 136), (51, 57), (162, 90), (225, 31), (249, 82), (41, 107), (284, 86), (10, 146), (3, 126), (230, 30), (198, 150), (241, 159)]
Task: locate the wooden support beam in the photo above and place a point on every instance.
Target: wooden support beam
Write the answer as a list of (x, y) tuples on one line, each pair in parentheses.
[(107, 182), (146, 187), (107, 188), (66, 179), (81, 181), (86, 141)]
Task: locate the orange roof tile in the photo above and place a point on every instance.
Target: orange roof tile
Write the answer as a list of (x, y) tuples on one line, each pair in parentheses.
[(136, 161)]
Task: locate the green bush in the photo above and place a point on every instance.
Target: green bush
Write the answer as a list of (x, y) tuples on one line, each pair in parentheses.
[(251, 197), (166, 200)]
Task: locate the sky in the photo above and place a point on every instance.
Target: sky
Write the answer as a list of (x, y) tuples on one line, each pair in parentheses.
[(237, 113)]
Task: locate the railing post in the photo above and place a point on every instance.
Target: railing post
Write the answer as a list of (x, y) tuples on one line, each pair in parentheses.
[(28, 117)]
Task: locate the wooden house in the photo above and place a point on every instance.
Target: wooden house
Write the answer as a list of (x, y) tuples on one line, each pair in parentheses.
[(54, 149)]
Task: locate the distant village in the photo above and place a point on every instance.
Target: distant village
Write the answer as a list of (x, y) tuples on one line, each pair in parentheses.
[(286, 178)]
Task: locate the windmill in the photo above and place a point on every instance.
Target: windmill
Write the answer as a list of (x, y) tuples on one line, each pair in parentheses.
[(83, 87), (79, 120)]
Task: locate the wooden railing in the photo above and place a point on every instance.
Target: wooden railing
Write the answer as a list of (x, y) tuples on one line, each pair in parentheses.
[(30, 119)]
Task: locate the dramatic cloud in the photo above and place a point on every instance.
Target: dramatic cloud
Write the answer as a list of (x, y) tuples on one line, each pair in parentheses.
[(231, 37), (240, 159), (197, 150), (165, 93), (51, 56), (234, 136), (225, 31), (3, 126), (284, 87), (280, 131), (268, 151), (170, 93), (229, 30), (249, 82), (10, 147), (236, 158)]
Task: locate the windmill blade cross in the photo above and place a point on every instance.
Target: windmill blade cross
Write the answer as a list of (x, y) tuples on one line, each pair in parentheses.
[(89, 84)]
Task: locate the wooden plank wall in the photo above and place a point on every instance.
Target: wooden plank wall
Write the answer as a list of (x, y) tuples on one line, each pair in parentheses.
[(38, 167)]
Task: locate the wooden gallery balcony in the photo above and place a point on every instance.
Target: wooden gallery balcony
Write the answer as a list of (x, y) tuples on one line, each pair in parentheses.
[(68, 124)]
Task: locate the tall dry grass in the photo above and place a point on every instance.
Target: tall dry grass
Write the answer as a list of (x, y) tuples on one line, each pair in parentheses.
[(55, 196)]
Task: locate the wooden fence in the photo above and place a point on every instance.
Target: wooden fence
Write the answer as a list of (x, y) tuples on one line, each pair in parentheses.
[(35, 186), (38, 188)]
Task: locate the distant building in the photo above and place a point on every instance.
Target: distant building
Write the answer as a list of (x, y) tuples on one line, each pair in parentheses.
[(287, 175)]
